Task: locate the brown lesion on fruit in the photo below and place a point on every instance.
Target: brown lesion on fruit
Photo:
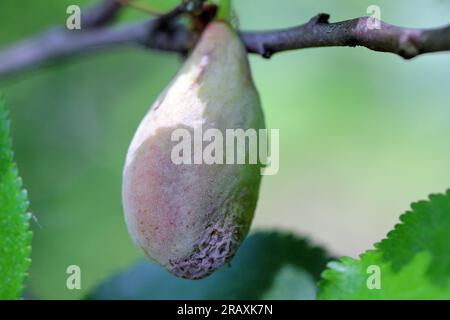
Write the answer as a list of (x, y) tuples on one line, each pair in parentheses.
[(215, 249)]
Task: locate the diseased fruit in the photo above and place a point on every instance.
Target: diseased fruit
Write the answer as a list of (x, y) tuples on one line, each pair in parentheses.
[(191, 218)]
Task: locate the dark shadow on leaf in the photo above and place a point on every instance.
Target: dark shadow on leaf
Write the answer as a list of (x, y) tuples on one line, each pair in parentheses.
[(251, 275)]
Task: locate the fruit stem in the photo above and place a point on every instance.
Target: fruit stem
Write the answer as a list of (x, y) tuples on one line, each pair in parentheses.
[(224, 12)]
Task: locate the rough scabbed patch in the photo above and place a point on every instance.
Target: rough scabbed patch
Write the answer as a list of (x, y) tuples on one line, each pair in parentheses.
[(191, 218), (216, 248)]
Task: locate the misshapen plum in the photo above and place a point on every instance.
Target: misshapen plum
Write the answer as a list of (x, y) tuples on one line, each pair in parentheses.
[(191, 218)]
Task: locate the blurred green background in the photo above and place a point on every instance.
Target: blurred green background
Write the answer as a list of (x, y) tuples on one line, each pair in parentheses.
[(362, 135)]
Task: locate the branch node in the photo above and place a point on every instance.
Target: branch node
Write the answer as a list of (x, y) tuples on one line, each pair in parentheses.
[(408, 48), (266, 53), (321, 18)]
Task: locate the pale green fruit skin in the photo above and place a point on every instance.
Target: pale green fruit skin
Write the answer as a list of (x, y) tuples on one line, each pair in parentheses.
[(191, 218)]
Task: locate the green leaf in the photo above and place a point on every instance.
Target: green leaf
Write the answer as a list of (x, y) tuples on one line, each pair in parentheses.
[(224, 6), (267, 266), (414, 260), (15, 236)]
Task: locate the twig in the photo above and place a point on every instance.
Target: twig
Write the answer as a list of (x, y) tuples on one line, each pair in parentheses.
[(318, 32), (59, 43)]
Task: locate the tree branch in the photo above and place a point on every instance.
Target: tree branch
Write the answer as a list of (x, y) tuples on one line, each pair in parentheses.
[(318, 32), (102, 14), (59, 43)]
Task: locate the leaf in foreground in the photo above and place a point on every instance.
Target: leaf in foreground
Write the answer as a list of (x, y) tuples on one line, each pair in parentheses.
[(413, 262)]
